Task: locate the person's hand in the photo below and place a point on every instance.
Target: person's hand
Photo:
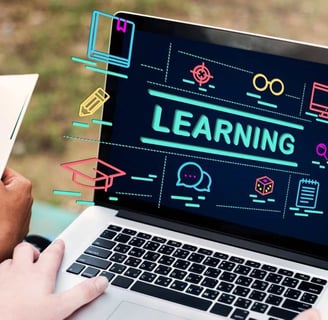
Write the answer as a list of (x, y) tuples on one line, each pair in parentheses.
[(311, 314), (15, 210), (27, 283)]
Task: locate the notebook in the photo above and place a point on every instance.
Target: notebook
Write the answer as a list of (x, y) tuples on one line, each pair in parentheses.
[(15, 94), (212, 177)]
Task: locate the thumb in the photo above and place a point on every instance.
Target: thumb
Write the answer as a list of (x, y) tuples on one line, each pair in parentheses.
[(81, 294), (311, 314)]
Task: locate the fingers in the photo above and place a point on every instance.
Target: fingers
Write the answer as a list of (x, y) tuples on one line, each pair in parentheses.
[(311, 314), (81, 294), (24, 253)]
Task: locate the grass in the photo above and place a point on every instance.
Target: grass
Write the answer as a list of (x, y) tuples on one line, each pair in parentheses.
[(41, 36)]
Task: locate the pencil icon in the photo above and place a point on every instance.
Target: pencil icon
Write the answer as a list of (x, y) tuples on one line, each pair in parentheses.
[(93, 102)]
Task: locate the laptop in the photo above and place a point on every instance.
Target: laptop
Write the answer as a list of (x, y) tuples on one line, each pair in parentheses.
[(212, 177)]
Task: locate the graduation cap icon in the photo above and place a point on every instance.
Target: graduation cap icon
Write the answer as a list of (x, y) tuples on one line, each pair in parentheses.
[(93, 173)]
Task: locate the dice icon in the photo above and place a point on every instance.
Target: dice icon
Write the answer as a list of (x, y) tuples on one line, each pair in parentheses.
[(264, 185)]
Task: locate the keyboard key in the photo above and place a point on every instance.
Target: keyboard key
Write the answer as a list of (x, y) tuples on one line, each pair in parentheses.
[(196, 268), (114, 227), (274, 278), (143, 235), (267, 267), (129, 231), (189, 247), (178, 274), (132, 272), (292, 293), (210, 294), (196, 257), (123, 238), (319, 281), (226, 265), (174, 243), (220, 255), (164, 270), (158, 239), (244, 281), (132, 262), (310, 287), (302, 276), (148, 266), (257, 295), (151, 256), (75, 268), (122, 248), (240, 314), (282, 313), (165, 249), (290, 282), (163, 281), (260, 285), (108, 275), (108, 234), (122, 282), (90, 272), (228, 276), (117, 268), (252, 264), (209, 283), (137, 252), (241, 291), (136, 242), (295, 305), (259, 307), (276, 289), (205, 252), (179, 285), (212, 272), (285, 272), (243, 303), (258, 274), (273, 299), (148, 276), (241, 269), (236, 260), (226, 298), (182, 254), (118, 257), (151, 245), (94, 262), (225, 286), (167, 260), (171, 295), (221, 309), (193, 278), (212, 262), (309, 298), (107, 244), (194, 290), (181, 264)]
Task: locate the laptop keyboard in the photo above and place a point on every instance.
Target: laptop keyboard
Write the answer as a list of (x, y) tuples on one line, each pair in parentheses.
[(216, 282)]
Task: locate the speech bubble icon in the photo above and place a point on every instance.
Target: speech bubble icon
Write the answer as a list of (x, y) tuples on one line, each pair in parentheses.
[(205, 184), (190, 174)]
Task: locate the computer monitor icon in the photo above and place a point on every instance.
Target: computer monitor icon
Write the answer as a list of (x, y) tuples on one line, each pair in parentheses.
[(122, 28), (319, 99)]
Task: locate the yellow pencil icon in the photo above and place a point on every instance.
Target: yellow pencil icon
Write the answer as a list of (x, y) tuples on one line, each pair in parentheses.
[(93, 102)]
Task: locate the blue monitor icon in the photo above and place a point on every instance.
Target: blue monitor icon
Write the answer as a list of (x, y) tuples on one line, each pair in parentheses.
[(121, 27)]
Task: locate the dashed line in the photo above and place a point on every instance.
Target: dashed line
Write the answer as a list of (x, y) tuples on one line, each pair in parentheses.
[(168, 62), (151, 67), (285, 206), (162, 183), (302, 101)]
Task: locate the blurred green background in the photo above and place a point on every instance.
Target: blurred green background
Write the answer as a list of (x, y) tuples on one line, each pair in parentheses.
[(40, 36)]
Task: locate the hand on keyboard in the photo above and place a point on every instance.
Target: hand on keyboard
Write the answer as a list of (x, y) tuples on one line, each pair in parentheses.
[(311, 314), (27, 282)]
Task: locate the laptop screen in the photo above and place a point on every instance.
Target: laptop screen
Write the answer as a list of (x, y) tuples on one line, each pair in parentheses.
[(219, 129)]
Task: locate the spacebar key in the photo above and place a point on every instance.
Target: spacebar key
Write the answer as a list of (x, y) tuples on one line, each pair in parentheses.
[(171, 295)]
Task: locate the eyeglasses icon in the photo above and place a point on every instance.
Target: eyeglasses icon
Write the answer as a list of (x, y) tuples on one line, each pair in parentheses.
[(269, 84), (321, 150)]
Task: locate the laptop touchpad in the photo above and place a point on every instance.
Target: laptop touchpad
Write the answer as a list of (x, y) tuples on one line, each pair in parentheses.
[(127, 310)]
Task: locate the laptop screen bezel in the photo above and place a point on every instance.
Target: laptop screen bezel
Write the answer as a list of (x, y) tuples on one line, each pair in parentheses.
[(224, 37)]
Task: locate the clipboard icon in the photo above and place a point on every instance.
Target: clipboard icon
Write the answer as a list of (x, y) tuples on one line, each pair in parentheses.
[(122, 28)]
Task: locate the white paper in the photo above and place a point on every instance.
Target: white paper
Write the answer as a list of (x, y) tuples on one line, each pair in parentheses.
[(15, 95)]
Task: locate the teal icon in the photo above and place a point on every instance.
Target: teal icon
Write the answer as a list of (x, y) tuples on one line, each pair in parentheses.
[(307, 194)]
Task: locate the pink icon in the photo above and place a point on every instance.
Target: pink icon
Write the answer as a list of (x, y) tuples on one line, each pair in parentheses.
[(84, 177), (321, 150), (201, 74), (319, 99), (119, 27), (264, 185)]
